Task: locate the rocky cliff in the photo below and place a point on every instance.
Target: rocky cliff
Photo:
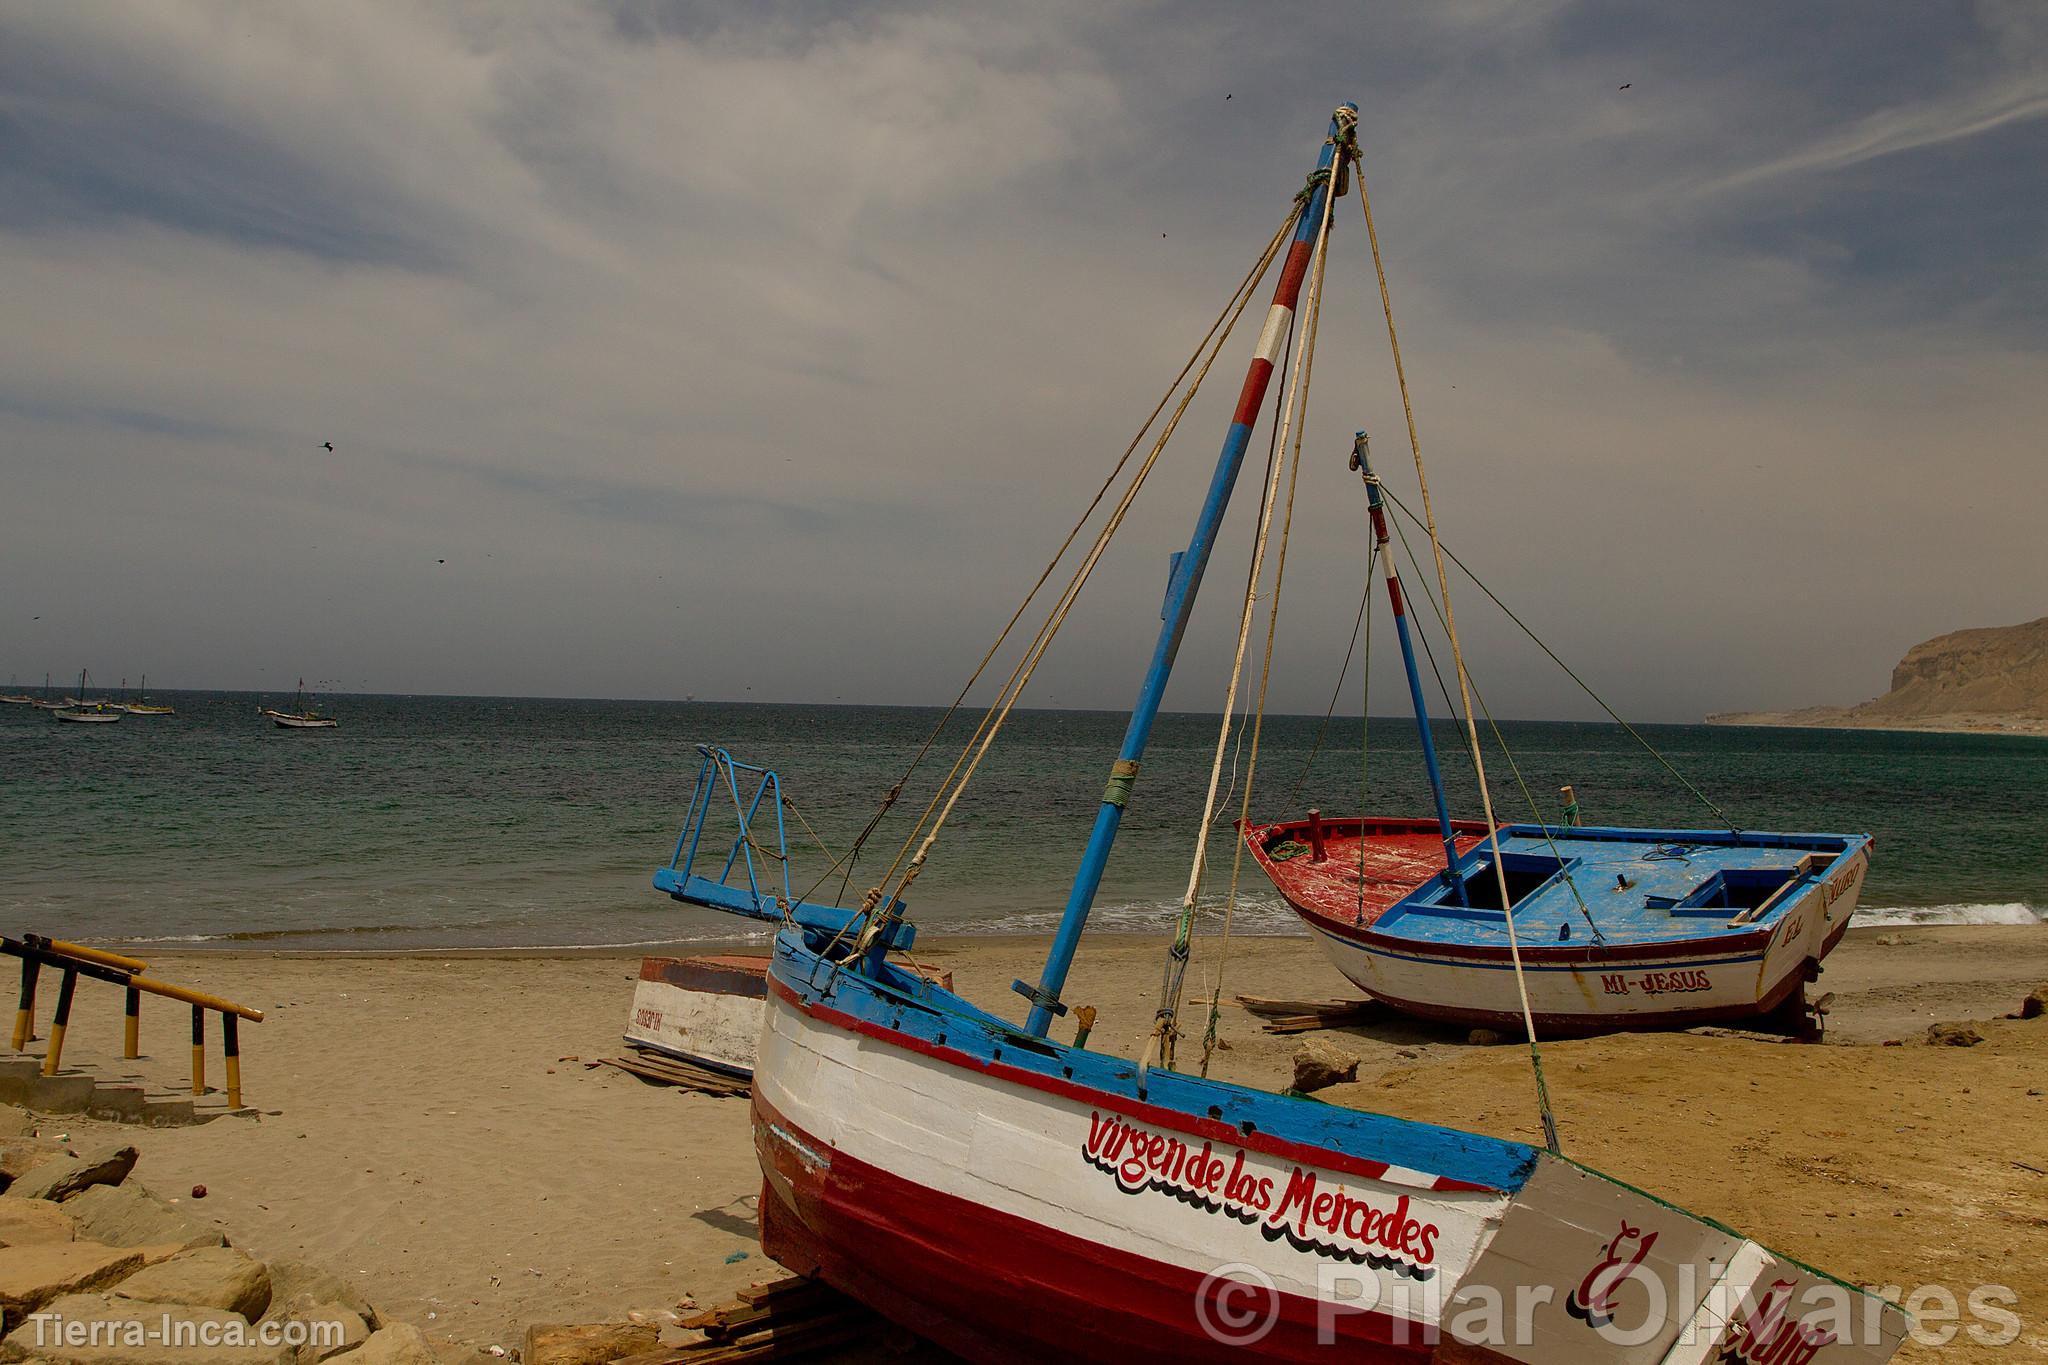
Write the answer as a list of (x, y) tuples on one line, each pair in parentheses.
[(1990, 678)]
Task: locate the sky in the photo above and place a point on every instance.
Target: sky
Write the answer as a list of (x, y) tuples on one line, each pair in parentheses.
[(767, 351)]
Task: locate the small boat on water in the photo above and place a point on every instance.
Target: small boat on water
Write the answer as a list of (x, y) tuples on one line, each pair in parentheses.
[(299, 717), (141, 706), (1613, 928), (1017, 1198), (78, 711), (47, 702)]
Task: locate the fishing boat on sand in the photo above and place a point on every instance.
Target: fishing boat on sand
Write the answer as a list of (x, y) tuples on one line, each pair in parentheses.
[(1585, 930), (1018, 1197), (299, 717), (78, 711)]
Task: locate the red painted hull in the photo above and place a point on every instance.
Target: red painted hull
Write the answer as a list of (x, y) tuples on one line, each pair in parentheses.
[(993, 1287)]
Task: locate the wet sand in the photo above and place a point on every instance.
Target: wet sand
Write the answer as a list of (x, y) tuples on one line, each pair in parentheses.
[(421, 1134)]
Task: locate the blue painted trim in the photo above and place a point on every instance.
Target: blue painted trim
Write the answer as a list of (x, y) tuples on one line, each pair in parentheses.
[(825, 919), (1180, 601), (907, 1005)]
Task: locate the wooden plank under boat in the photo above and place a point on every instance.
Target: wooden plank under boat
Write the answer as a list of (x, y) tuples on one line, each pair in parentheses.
[(1618, 928)]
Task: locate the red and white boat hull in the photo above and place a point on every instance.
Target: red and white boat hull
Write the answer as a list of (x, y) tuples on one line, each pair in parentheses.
[(1012, 1217)]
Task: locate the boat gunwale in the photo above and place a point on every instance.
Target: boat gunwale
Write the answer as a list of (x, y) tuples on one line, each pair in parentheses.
[(1751, 941), (1280, 1125)]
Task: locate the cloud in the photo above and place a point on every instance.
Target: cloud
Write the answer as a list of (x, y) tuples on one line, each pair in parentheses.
[(776, 346)]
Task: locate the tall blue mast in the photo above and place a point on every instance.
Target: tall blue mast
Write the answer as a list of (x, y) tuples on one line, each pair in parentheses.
[(1182, 587), (1361, 460)]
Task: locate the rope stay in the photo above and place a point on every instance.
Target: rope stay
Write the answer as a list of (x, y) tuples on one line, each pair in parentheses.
[(878, 910), (1288, 439), (1571, 882), (1569, 672), (1458, 659)]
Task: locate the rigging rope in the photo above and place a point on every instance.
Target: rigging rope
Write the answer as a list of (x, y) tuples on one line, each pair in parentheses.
[(1236, 300), (1614, 715), (1571, 883), (1244, 813), (1165, 1028), (992, 722), (1458, 658)]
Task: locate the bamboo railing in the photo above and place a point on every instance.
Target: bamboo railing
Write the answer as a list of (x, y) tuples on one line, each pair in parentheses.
[(74, 960)]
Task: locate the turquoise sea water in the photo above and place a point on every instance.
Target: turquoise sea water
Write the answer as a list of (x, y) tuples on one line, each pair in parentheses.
[(462, 821)]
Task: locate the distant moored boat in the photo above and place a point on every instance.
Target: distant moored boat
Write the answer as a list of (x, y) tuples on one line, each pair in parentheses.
[(141, 707), (82, 712), (299, 718)]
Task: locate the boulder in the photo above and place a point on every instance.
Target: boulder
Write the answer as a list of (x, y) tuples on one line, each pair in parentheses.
[(100, 1329), (16, 1121), (20, 1155), (1953, 1035), (586, 1343), (291, 1281), (398, 1344), (68, 1176), (205, 1277), (1487, 1037), (1320, 1063), (331, 1327), (130, 1216), (31, 1276), (2036, 1005), (30, 1222)]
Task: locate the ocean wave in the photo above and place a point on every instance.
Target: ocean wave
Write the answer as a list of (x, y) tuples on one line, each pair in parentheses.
[(2012, 912)]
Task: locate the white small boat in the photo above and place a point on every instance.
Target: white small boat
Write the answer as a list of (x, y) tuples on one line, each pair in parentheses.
[(81, 712), (299, 718), (141, 707)]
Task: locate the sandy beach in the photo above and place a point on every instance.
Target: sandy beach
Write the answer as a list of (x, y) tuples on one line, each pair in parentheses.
[(429, 1130)]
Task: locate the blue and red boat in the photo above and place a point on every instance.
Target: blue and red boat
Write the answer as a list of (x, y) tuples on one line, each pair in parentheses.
[(1016, 1197)]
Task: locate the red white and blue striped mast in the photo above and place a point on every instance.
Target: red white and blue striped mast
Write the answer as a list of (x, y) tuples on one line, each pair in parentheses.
[(1186, 579)]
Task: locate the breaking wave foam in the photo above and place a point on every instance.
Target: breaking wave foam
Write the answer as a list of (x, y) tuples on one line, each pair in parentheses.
[(2013, 912)]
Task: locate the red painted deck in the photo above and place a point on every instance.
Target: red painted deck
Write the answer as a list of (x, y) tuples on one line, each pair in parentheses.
[(1367, 864)]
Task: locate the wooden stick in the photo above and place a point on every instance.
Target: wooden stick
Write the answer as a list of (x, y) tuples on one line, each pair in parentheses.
[(131, 1024), (58, 1025), (198, 1050)]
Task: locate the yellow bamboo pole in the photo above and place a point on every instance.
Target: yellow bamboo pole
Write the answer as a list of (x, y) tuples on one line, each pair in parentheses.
[(233, 1047), (131, 1024), (199, 1049), (98, 955)]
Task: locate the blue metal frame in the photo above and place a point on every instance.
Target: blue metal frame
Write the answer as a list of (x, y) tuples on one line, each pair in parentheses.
[(680, 879)]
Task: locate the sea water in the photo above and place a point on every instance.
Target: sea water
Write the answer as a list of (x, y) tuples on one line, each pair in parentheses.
[(474, 822)]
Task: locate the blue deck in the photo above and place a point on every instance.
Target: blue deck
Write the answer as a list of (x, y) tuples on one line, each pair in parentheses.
[(1638, 886)]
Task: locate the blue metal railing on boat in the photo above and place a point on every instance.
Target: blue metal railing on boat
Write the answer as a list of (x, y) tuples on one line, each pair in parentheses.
[(749, 786)]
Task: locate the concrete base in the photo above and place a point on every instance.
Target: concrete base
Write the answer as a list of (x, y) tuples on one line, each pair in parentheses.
[(115, 1099)]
